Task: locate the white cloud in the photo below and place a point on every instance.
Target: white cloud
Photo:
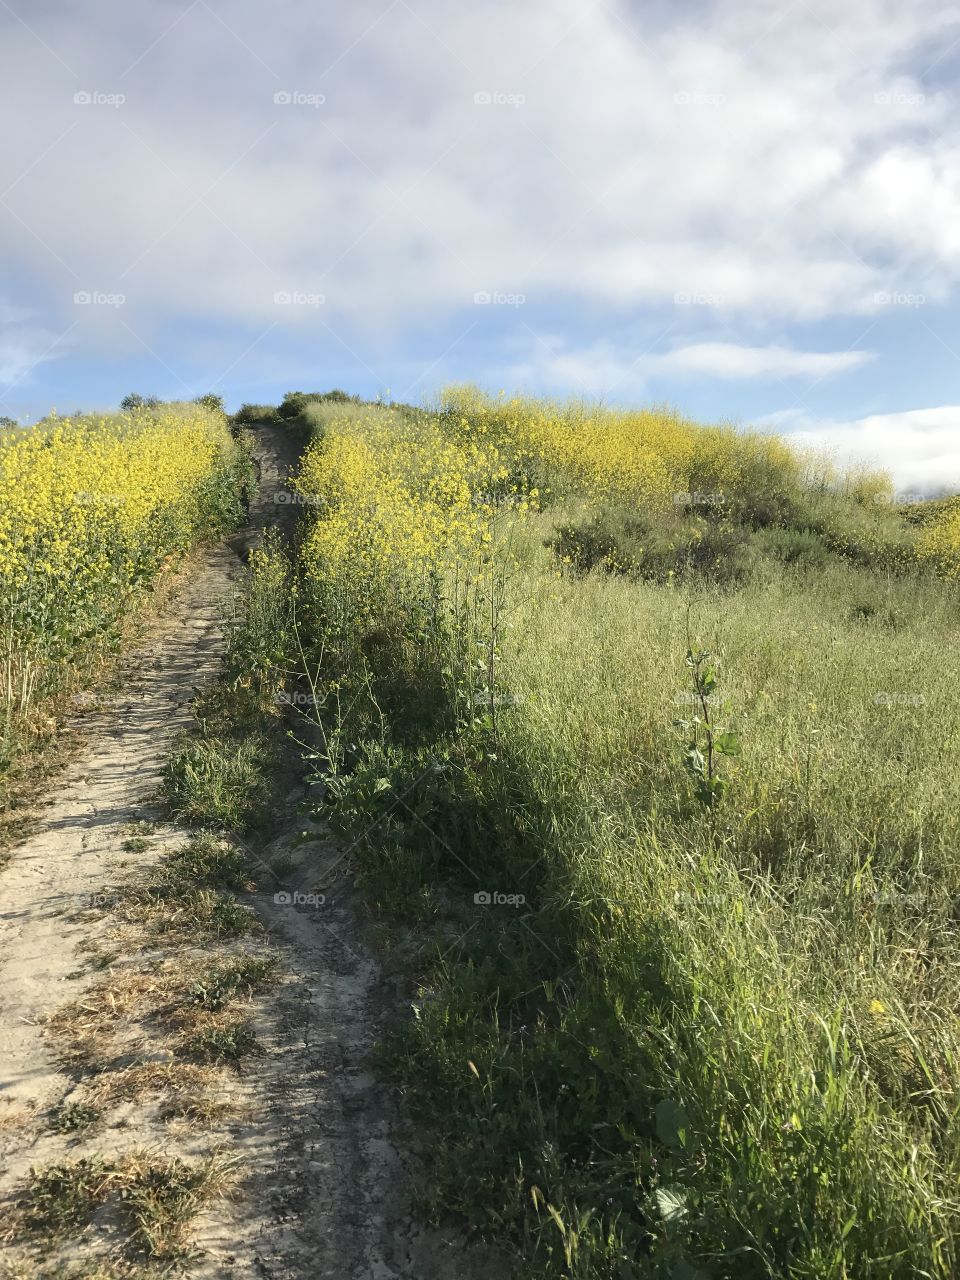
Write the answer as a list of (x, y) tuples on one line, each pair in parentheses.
[(728, 360), (608, 370), (24, 346), (742, 153), (920, 448)]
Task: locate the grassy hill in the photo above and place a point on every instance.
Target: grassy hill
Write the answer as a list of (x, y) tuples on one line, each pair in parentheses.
[(647, 729)]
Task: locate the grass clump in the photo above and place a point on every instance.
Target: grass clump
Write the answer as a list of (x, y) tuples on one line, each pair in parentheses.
[(223, 782), (227, 1040), (73, 1117), (191, 891), (236, 977), (208, 861), (147, 1201)]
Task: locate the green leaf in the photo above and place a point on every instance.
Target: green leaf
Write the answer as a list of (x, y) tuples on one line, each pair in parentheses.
[(672, 1203), (672, 1123), (727, 743)]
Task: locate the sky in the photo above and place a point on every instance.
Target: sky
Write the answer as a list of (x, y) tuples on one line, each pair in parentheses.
[(748, 210)]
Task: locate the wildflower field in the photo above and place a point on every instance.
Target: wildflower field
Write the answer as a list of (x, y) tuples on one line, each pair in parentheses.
[(647, 731), (91, 510)]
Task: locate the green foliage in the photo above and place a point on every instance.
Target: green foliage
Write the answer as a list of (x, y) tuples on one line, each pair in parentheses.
[(238, 976), (224, 1042), (222, 782), (136, 401), (255, 414), (212, 402), (706, 742), (261, 645), (73, 1117), (226, 772)]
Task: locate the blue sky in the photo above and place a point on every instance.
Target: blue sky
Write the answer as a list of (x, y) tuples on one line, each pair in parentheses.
[(751, 210)]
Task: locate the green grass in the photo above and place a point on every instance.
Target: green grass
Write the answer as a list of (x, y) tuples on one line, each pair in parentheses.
[(222, 782), (228, 1041), (72, 1117), (715, 1041), (191, 891)]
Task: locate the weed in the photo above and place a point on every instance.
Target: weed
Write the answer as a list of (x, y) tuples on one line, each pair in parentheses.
[(237, 977), (75, 1116), (152, 1199), (221, 782), (223, 1041)]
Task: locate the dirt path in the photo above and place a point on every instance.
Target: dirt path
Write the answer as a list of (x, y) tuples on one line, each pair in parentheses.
[(319, 1188)]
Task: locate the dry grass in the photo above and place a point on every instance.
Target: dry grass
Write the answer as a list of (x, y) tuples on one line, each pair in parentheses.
[(137, 1206)]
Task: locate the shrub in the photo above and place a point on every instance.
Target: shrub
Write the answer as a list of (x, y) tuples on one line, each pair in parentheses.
[(212, 402), (659, 547), (136, 401), (253, 414)]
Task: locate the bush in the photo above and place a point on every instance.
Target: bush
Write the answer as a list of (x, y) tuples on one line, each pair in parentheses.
[(212, 402), (793, 546), (294, 402), (249, 414), (656, 548), (136, 401)]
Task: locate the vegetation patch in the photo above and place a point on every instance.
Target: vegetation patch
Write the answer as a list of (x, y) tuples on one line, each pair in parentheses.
[(140, 1204), (640, 725), (93, 511)]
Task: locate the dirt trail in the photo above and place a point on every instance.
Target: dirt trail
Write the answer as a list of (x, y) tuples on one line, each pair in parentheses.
[(323, 1192)]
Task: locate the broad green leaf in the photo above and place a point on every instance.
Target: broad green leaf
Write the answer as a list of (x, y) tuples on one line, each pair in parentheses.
[(672, 1203), (672, 1123)]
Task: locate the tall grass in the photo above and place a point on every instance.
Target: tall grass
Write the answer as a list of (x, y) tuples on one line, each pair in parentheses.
[(658, 1037)]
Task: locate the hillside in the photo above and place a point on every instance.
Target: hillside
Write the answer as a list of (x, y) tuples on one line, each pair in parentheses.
[(566, 805)]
